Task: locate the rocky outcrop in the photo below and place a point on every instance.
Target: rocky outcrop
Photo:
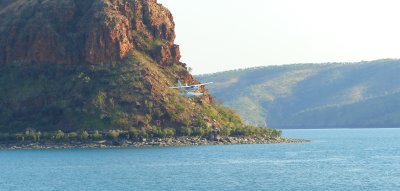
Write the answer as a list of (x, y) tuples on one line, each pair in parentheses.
[(96, 64), (85, 32)]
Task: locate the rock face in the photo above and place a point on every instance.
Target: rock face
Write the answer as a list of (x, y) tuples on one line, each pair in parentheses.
[(77, 65), (85, 32)]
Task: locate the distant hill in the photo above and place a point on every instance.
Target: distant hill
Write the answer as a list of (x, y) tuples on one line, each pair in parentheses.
[(337, 95)]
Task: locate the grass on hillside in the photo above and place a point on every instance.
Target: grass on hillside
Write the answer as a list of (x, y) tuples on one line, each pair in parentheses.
[(133, 93)]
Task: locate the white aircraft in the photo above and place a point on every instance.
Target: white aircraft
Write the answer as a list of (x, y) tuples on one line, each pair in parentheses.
[(190, 90)]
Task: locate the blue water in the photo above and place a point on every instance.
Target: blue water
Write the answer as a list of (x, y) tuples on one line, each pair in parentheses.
[(340, 159)]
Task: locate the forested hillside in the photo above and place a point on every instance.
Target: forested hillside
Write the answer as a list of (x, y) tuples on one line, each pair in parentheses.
[(364, 94)]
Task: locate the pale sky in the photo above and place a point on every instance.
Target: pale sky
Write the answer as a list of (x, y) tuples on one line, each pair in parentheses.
[(218, 35)]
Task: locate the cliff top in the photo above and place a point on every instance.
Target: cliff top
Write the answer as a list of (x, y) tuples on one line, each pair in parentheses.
[(91, 32)]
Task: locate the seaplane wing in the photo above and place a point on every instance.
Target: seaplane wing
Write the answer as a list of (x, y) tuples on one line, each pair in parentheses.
[(180, 86)]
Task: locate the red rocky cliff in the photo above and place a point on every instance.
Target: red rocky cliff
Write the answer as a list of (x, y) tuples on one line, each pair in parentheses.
[(85, 31)]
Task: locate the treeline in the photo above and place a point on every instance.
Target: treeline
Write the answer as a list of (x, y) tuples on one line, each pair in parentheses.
[(138, 134)]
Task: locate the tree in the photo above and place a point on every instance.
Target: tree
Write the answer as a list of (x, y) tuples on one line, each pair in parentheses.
[(200, 122), (84, 135), (157, 132), (187, 131), (72, 135), (97, 135), (147, 119), (113, 134), (20, 136), (276, 133), (59, 135), (31, 135), (226, 131), (133, 133), (205, 130), (143, 133), (169, 132), (38, 135)]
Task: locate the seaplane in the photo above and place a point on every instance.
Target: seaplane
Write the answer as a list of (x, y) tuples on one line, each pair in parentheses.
[(190, 90)]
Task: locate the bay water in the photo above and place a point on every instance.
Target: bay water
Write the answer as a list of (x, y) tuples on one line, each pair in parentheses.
[(336, 159)]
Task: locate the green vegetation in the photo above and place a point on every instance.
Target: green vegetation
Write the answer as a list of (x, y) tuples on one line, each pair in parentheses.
[(130, 99), (113, 134), (136, 135), (59, 135), (73, 135), (365, 94), (84, 135), (100, 97), (96, 135), (133, 134)]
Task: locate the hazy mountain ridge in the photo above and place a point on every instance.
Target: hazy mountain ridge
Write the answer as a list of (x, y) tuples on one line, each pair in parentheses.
[(313, 95)]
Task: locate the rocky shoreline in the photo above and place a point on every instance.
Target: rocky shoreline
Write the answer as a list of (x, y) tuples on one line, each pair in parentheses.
[(154, 142)]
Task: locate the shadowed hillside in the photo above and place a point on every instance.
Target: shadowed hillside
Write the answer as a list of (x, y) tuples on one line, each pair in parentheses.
[(362, 94)]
